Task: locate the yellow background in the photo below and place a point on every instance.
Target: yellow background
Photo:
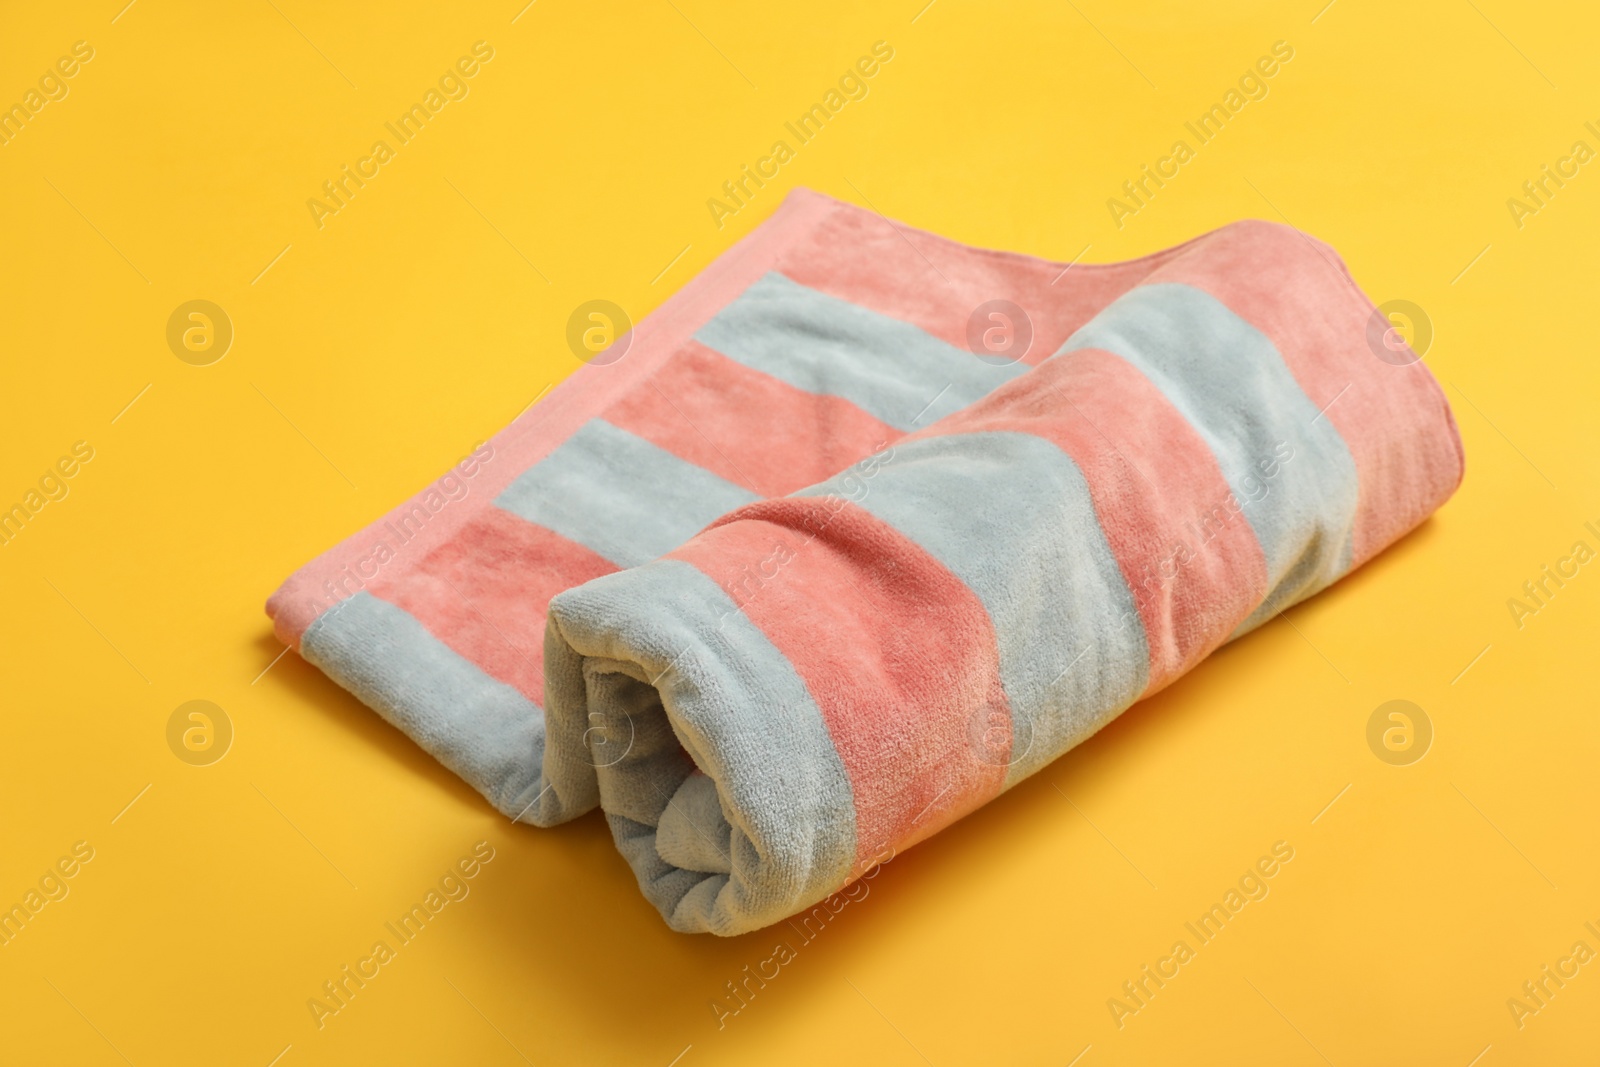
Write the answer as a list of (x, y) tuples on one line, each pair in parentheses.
[(377, 349)]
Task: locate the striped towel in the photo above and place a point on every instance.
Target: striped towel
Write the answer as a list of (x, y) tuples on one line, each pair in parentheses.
[(865, 527)]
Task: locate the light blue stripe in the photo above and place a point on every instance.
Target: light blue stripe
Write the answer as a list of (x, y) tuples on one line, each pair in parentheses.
[(888, 368), (1231, 384), (619, 495), (485, 731), (1010, 515), (741, 712)]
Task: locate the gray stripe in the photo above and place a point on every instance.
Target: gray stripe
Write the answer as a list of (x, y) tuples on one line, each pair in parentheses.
[(1010, 515), (482, 729), (664, 885), (1232, 385), (746, 718), (619, 495), (888, 368)]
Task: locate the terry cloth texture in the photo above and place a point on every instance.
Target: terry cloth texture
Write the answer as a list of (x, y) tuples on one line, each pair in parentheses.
[(799, 579)]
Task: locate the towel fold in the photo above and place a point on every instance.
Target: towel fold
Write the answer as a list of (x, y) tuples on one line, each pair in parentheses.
[(867, 526)]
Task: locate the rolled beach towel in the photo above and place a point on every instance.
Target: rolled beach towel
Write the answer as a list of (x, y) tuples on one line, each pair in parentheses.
[(864, 527)]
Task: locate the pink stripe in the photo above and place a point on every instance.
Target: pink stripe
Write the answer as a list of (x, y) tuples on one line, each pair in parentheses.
[(936, 284), (1191, 561), (1394, 419), (485, 591), (748, 427), (537, 432), (897, 652)]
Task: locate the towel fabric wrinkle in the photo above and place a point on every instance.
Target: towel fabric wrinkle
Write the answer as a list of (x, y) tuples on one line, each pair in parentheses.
[(801, 579)]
